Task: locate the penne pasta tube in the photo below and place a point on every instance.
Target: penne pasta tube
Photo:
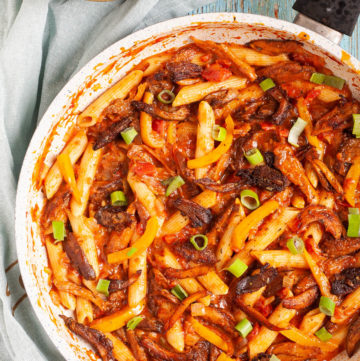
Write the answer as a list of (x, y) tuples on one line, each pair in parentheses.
[(120, 350), (273, 229), (312, 322), (319, 275), (256, 58), (250, 298), (175, 336), (242, 230), (193, 93), (148, 135), (279, 258), (84, 311), (118, 91), (155, 62), (177, 221), (281, 318), (213, 283), (88, 165), (117, 319), (137, 291), (224, 251), (74, 149), (224, 357), (298, 201), (327, 199), (204, 139), (86, 240), (55, 253), (311, 174), (322, 167), (351, 182)]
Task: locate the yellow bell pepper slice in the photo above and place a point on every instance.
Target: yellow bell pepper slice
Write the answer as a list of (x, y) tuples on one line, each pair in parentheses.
[(139, 246), (208, 334), (67, 171), (215, 154), (252, 220)]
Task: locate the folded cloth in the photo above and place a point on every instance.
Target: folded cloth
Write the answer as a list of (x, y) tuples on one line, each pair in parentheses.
[(42, 44)]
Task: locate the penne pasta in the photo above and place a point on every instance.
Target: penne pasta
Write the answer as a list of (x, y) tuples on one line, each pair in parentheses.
[(193, 93), (175, 336), (120, 350), (349, 306), (88, 165), (351, 182), (204, 139), (118, 91), (279, 258), (312, 322), (213, 283), (84, 311)]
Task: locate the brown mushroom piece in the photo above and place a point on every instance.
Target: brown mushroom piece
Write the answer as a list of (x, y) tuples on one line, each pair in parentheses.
[(352, 342), (110, 134), (220, 188), (97, 339), (181, 70), (346, 282), (323, 215), (340, 247), (187, 251), (302, 300), (159, 352), (348, 150), (254, 282), (118, 285), (197, 214), (264, 177), (284, 105), (199, 352), (77, 257), (169, 113), (291, 351), (114, 217)]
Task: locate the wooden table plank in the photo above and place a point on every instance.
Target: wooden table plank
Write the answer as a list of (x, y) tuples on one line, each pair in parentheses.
[(281, 9)]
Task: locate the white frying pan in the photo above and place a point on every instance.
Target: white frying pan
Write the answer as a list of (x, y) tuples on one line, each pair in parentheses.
[(111, 65)]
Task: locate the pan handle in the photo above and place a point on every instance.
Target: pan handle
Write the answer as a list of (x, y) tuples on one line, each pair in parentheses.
[(330, 18)]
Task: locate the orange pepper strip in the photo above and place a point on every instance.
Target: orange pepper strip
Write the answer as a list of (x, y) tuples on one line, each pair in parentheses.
[(208, 334), (215, 154), (118, 319), (182, 307), (224, 357), (319, 276), (351, 181), (242, 230), (67, 171), (139, 246), (294, 334)]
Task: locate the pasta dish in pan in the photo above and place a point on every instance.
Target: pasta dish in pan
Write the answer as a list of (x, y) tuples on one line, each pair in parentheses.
[(207, 208)]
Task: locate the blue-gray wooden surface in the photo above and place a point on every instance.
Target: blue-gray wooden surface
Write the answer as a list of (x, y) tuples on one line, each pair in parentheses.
[(275, 8)]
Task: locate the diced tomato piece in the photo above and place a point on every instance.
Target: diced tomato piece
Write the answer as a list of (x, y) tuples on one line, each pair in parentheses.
[(140, 228), (170, 238), (311, 95), (205, 58), (291, 91), (216, 72), (284, 132), (267, 126), (225, 63), (264, 309), (255, 331), (158, 125), (144, 169)]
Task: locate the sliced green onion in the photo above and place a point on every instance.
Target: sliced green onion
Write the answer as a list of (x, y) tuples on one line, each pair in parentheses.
[(58, 230), (267, 84), (237, 268), (132, 324), (131, 251), (129, 135), (327, 306), (174, 183), (254, 156), (194, 241), (295, 245), (179, 292), (274, 358), (103, 286), (323, 334), (356, 127), (353, 225), (249, 199), (218, 133), (354, 211), (244, 327), (295, 131), (317, 78), (334, 81), (169, 96), (118, 198)]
